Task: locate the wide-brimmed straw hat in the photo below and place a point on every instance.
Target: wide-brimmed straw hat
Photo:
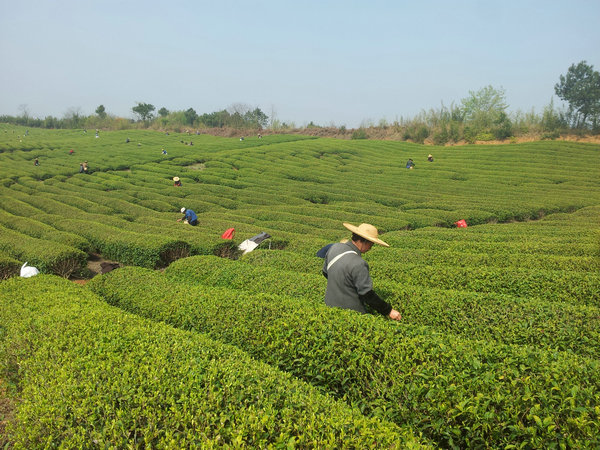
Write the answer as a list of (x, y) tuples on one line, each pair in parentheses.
[(182, 210), (367, 231), (175, 178)]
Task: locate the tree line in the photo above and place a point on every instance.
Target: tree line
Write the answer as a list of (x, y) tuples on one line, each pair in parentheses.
[(480, 116)]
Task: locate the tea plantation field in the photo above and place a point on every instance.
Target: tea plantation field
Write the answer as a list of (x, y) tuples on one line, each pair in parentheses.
[(191, 344)]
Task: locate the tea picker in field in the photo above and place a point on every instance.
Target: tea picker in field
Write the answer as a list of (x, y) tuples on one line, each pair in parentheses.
[(189, 217), (430, 157), (176, 182), (410, 164), (349, 285)]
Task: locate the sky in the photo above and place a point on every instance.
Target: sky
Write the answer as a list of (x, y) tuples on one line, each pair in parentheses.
[(348, 63)]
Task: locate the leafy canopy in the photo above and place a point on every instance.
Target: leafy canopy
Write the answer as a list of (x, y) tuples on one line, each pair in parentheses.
[(485, 107), (143, 111), (580, 87)]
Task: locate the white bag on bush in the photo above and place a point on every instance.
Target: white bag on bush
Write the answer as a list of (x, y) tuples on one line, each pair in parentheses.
[(28, 271)]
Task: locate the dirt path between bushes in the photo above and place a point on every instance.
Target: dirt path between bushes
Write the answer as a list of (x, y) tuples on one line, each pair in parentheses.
[(95, 265)]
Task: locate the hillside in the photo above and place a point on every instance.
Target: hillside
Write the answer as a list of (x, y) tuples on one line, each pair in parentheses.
[(499, 342)]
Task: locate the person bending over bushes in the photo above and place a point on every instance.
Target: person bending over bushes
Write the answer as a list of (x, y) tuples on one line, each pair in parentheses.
[(349, 285)]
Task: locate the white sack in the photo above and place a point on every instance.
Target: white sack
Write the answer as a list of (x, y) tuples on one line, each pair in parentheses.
[(28, 271)]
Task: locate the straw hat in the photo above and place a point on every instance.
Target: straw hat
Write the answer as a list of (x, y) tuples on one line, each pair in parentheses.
[(367, 231), (175, 178), (430, 156), (182, 210)]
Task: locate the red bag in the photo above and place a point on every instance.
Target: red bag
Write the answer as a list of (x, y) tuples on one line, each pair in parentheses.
[(229, 233), (461, 224)]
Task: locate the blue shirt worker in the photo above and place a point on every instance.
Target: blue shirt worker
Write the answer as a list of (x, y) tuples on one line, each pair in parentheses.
[(349, 285), (189, 217)]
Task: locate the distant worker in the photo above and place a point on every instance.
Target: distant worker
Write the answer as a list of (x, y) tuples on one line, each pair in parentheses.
[(127, 141), (349, 285), (36, 162), (189, 217), (430, 157), (71, 152), (164, 152), (410, 164), (81, 168), (176, 181), (242, 138), (85, 167)]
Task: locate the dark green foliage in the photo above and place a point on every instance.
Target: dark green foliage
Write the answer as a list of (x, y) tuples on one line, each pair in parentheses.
[(360, 133), (581, 89), (143, 111), (489, 316), (46, 256), (457, 392), (89, 375), (9, 267), (190, 116), (417, 133), (500, 320)]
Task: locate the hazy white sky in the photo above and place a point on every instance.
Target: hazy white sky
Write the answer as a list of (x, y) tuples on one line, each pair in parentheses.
[(330, 62)]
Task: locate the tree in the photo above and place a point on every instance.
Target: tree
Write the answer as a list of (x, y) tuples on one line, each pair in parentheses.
[(581, 89), (101, 111), (24, 111), (163, 112), (190, 116), (552, 120), (484, 108), (256, 118), (216, 119), (74, 118), (144, 111)]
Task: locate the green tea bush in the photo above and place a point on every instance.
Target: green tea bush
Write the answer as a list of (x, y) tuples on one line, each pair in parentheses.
[(128, 247), (82, 380), (46, 256), (42, 231), (9, 267), (457, 392), (505, 318)]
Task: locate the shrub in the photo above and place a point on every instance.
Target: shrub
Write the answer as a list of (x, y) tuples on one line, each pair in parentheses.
[(83, 381), (484, 137), (9, 267), (457, 392), (360, 133), (47, 257)]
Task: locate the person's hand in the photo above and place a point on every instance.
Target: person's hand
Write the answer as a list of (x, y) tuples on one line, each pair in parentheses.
[(179, 220), (395, 315)]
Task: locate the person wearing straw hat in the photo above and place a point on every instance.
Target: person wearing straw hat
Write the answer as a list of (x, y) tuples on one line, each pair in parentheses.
[(176, 181), (430, 157), (189, 217), (349, 285)]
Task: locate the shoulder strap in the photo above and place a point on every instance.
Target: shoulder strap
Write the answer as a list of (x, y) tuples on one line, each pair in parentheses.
[(334, 260)]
